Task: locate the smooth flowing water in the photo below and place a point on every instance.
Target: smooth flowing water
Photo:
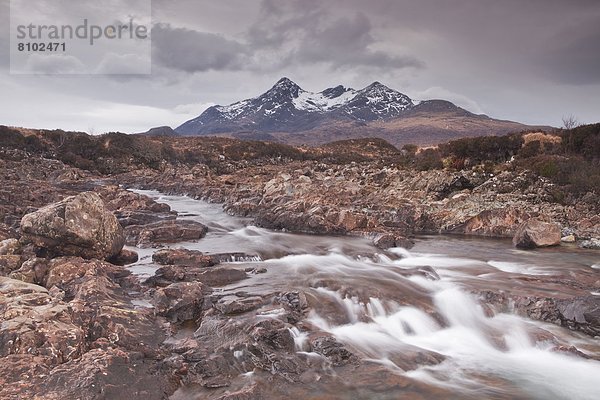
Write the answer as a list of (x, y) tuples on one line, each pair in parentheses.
[(386, 305)]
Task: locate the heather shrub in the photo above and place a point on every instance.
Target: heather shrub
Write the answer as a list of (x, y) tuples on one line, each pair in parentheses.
[(428, 159), (480, 149)]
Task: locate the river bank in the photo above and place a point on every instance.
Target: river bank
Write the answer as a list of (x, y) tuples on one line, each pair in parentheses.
[(250, 303)]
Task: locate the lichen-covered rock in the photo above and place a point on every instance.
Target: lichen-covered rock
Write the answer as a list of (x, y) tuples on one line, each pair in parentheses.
[(31, 271), (9, 247), (76, 226), (9, 263), (593, 244), (534, 233)]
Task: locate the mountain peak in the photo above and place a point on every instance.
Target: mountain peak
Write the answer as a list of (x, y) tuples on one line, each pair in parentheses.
[(285, 80), (284, 88), (285, 83), (378, 86)]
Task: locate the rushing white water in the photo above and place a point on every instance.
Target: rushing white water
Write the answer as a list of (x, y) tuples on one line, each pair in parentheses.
[(388, 307), (474, 345)]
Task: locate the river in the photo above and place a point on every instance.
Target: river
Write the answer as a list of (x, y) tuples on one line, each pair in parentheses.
[(387, 306)]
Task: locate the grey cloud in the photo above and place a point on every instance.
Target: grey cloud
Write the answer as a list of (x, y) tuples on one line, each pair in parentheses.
[(123, 64), (280, 22), (346, 43), (574, 58), (193, 51), (54, 64), (308, 32), (284, 34)]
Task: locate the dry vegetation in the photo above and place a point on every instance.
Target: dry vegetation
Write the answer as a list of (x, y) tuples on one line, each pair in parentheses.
[(569, 157)]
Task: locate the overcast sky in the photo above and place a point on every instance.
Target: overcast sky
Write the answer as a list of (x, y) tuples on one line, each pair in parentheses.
[(532, 61)]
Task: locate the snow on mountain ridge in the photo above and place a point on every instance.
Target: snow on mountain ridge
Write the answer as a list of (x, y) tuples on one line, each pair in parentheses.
[(330, 99), (320, 102)]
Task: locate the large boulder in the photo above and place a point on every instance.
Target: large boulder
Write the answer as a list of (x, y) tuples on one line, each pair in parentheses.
[(534, 233), (76, 226)]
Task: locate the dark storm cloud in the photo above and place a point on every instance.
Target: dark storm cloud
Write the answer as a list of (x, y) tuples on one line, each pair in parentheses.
[(192, 51), (285, 33), (555, 39), (308, 32)]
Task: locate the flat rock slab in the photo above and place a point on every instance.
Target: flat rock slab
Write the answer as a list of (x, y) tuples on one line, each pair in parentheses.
[(164, 232), (195, 258), (211, 277)]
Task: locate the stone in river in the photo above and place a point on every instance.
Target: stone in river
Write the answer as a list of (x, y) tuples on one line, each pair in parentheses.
[(534, 233)]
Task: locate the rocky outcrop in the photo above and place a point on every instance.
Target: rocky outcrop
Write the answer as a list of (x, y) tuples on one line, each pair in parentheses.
[(77, 226), (118, 199), (35, 323), (80, 328), (534, 233), (9, 263), (375, 198), (239, 306), (581, 313)]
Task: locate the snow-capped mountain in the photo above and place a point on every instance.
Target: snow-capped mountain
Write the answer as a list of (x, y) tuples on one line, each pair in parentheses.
[(290, 114), (286, 107)]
